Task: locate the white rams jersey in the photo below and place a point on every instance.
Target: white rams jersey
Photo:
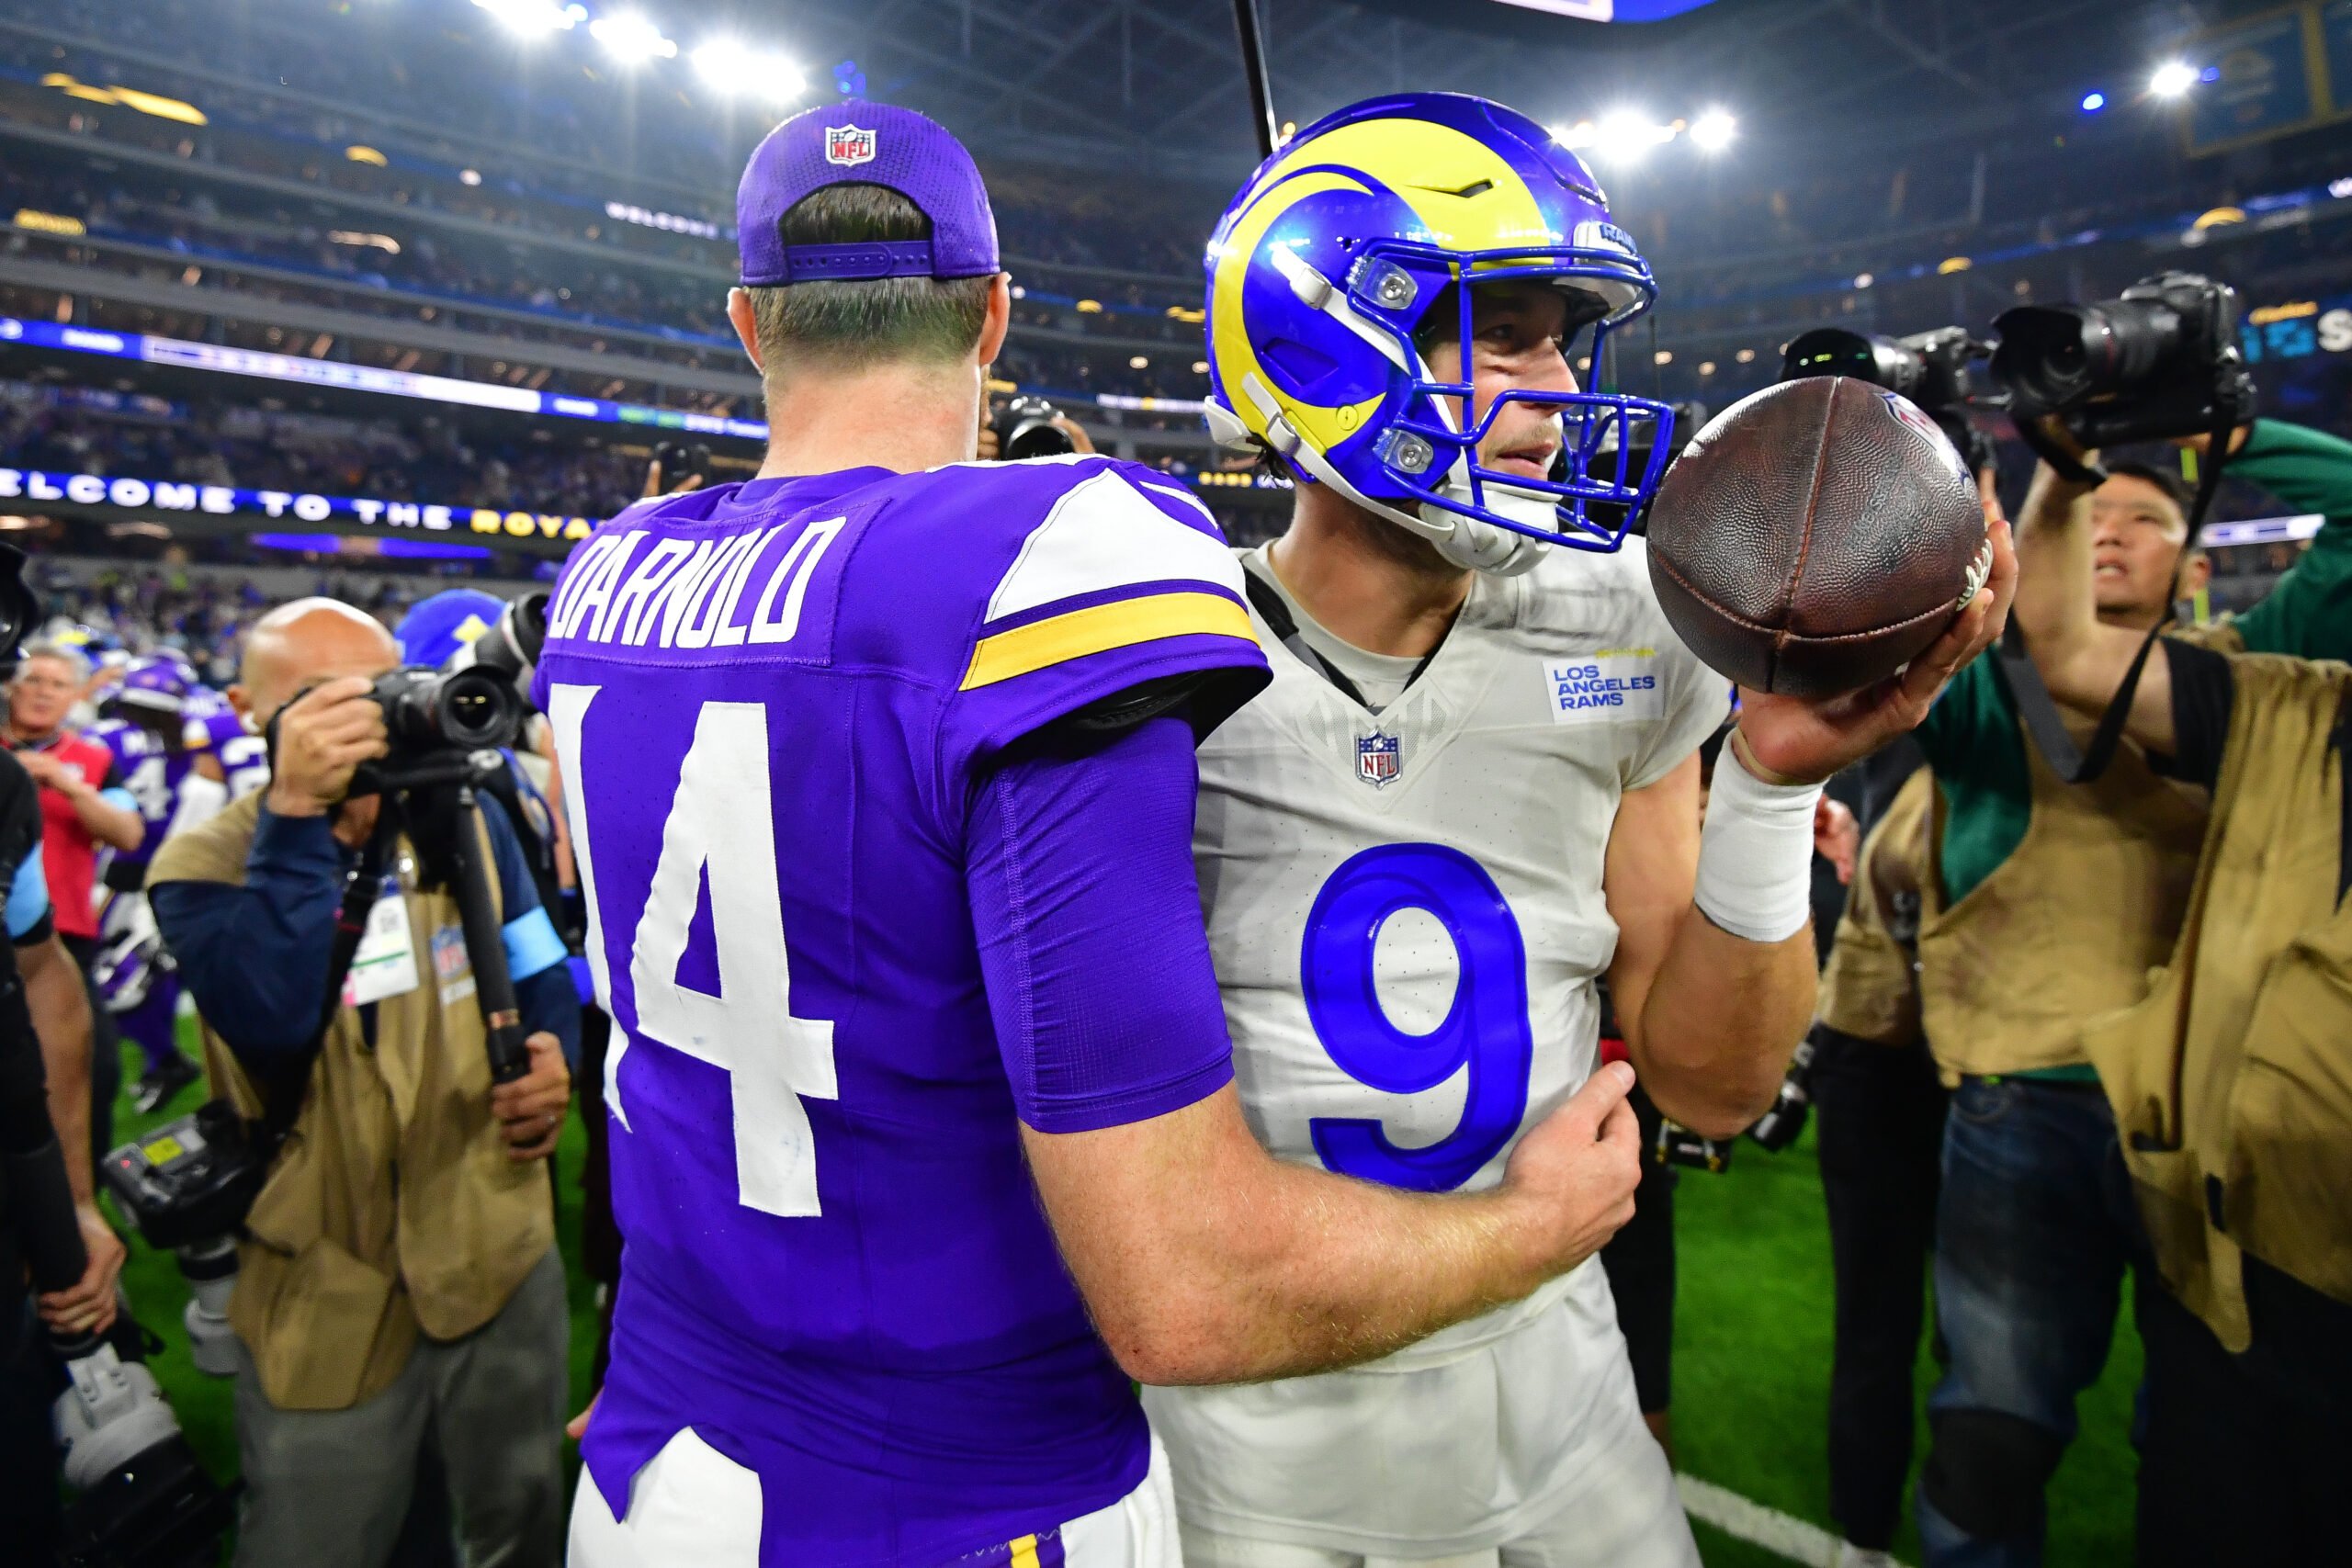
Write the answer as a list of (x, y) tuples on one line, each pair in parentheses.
[(1406, 914)]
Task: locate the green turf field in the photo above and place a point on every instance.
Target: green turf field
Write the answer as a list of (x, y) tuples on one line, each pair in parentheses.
[(1751, 1372)]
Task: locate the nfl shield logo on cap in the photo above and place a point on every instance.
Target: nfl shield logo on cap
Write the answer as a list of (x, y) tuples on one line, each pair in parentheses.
[(1378, 757), (847, 145)]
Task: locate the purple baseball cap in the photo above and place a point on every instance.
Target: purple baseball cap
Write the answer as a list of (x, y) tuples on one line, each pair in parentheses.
[(855, 142)]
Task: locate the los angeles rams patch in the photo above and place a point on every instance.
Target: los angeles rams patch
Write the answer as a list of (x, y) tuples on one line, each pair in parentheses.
[(1607, 686)]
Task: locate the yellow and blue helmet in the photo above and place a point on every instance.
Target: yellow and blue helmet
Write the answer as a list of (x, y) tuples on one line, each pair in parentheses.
[(1328, 264)]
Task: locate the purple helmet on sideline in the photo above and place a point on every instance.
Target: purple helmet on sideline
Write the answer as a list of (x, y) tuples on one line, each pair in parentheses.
[(152, 683)]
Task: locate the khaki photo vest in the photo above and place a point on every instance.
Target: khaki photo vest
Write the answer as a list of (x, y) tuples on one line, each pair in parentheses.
[(391, 1210), (2068, 928), (2232, 1079), (1869, 987)]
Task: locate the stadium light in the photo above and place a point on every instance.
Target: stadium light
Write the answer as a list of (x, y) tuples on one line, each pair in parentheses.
[(2093, 102), (534, 17), (1713, 130), (731, 68), (2173, 78), (1625, 136), (631, 40)]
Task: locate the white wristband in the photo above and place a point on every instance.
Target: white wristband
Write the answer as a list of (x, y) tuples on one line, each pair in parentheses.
[(1756, 854)]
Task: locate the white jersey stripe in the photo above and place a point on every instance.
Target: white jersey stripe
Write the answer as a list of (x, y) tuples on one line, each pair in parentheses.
[(1103, 534)]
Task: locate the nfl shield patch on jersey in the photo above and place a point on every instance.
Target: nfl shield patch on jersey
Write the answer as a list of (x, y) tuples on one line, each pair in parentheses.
[(1378, 757), (847, 145)]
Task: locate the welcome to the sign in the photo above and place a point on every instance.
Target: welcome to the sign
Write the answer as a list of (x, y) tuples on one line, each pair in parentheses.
[(129, 493)]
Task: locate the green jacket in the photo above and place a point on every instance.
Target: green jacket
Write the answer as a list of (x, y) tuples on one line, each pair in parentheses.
[(1971, 737)]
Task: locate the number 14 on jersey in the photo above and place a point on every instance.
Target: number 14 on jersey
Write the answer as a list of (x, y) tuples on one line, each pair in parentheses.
[(721, 826)]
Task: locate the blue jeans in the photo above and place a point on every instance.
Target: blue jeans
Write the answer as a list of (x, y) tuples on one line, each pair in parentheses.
[(2034, 1229)]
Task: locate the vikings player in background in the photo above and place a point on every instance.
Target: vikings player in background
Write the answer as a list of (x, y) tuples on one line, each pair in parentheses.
[(183, 752), (142, 721), (1470, 793), (879, 771)]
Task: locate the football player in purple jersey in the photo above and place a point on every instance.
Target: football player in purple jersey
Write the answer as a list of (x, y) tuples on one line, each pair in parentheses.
[(143, 721), (229, 755), (880, 779)]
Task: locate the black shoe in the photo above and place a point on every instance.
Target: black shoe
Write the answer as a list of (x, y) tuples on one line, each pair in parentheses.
[(158, 1084)]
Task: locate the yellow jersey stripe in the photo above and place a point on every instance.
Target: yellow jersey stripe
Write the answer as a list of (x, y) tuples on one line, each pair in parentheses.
[(1025, 1552), (1098, 628)]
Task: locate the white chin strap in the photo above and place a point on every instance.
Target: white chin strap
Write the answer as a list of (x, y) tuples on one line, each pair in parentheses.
[(1465, 541)]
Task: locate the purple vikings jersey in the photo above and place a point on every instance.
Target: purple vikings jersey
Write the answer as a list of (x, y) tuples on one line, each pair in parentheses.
[(215, 728), (153, 772), (774, 703)]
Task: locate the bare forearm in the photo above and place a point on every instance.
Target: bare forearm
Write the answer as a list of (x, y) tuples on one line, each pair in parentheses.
[(1719, 1024), (2081, 659), (109, 823), (106, 821), (1342, 1272), (1263, 1269), (2055, 597), (61, 1011)]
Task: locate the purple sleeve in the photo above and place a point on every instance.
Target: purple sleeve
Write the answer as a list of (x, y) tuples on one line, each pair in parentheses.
[(1078, 862)]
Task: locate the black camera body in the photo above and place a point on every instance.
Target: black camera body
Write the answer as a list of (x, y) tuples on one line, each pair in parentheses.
[(511, 649), (1025, 428), (1930, 368), (2160, 360), (190, 1180), (455, 710), (683, 460)]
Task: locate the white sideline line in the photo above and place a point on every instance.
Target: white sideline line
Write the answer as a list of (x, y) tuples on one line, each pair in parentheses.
[(1783, 1535)]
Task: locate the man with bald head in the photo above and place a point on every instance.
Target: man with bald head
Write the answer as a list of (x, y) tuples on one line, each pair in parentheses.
[(397, 1282)]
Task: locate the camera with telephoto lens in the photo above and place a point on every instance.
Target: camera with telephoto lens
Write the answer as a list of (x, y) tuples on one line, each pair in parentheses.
[(186, 1186), (432, 714), (1930, 368), (458, 710), (1025, 428), (510, 649), (2161, 360), (142, 1498)]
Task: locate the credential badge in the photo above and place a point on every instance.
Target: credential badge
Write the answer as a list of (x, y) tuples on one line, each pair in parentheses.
[(847, 145), (1378, 759)]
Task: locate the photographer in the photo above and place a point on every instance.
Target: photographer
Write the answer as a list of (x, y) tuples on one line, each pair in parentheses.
[(434, 633), (2228, 1081), (1028, 427), (2048, 905), (1880, 1136), (398, 1285)]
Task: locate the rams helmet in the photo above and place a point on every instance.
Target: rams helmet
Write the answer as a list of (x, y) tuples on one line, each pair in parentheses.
[(1327, 264)]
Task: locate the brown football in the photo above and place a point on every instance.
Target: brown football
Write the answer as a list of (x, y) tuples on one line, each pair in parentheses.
[(1817, 537)]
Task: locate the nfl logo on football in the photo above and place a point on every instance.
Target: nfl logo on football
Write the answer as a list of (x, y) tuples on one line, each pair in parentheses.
[(846, 144), (1377, 760)]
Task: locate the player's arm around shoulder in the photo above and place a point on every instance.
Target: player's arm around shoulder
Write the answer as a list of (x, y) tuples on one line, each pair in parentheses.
[(1205, 1259)]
